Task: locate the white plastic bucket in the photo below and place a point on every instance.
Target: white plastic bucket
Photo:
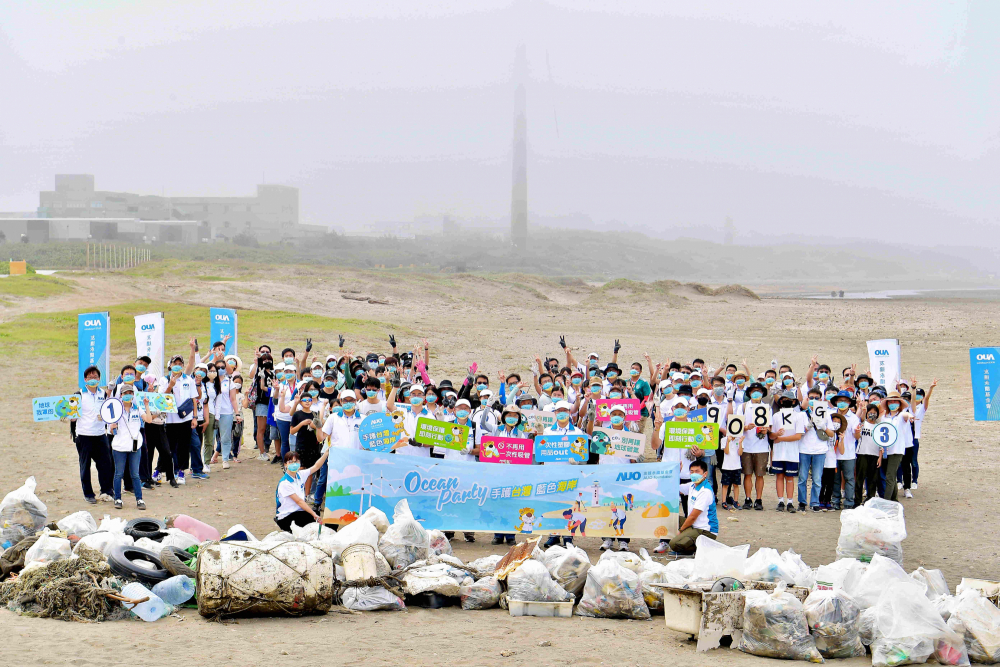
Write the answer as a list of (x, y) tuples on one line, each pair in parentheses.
[(359, 562)]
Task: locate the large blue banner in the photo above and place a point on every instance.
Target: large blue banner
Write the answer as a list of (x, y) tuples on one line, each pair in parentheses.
[(224, 324), (985, 365), (93, 340), (638, 500)]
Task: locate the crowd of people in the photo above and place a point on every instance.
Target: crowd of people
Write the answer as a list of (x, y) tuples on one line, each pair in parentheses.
[(813, 432)]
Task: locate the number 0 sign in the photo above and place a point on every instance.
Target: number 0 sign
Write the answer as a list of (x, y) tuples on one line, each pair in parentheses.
[(735, 425)]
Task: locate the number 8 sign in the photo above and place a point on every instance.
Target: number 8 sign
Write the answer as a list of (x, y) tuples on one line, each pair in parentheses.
[(112, 410), (885, 435)]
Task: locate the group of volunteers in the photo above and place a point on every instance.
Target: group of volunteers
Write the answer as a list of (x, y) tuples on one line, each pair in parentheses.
[(813, 432)]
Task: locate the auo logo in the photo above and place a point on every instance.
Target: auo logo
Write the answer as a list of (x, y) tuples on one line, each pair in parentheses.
[(881, 353), (222, 318), (628, 476), (148, 327), (984, 357), (91, 323)]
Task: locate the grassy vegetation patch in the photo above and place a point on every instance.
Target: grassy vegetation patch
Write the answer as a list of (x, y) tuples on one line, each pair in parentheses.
[(34, 285)]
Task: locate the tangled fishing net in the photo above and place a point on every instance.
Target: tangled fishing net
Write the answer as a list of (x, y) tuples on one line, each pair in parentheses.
[(79, 589)]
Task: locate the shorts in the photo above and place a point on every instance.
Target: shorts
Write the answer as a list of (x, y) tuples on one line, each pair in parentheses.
[(731, 478), (754, 464), (786, 468), (260, 410)]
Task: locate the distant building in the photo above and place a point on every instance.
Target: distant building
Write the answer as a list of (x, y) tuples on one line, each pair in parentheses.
[(272, 214)]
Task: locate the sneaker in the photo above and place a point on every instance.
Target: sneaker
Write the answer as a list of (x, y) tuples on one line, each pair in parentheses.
[(511, 540), (907, 494), (899, 485), (662, 548), (470, 537), (622, 546), (118, 504), (199, 475), (105, 498), (263, 457), (780, 507), (205, 468), (725, 506), (758, 505), (276, 459), (606, 544), (736, 505), (914, 486), (825, 508), (148, 485), (790, 508), (802, 507), (225, 465), (141, 504), (551, 542), (497, 540), (748, 504), (816, 508), (174, 483)]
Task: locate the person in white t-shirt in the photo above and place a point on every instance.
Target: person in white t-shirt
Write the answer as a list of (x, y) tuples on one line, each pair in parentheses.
[(731, 467), (787, 427), (843, 490), (755, 444), (126, 445), (370, 401), (894, 411), (674, 409), (813, 447), (869, 454), (919, 408), (835, 447), (414, 411), (290, 504)]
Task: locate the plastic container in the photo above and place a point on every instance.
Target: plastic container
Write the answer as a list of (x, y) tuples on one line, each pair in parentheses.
[(203, 531), (359, 562), (175, 590), (552, 609), (264, 579), (151, 610)]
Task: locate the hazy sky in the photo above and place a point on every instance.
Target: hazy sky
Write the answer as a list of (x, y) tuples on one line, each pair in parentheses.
[(847, 118)]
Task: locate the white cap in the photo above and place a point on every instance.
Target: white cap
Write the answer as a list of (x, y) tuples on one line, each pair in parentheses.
[(701, 391), (670, 403), (696, 372), (563, 405), (464, 402), (663, 385), (416, 387), (347, 393), (617, 407), (315, 364), (486, 393), (677, 376), (593, 355)]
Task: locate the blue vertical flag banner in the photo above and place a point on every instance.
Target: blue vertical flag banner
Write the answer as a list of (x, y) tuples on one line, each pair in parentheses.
[(985, 365), (639, 500), (93, 340), (224, 323)]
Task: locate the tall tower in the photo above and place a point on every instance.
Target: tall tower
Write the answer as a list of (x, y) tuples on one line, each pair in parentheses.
[(519, 190)]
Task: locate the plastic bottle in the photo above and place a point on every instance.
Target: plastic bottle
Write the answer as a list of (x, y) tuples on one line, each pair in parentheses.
[(202, 531), (175, 590), (149, 611)]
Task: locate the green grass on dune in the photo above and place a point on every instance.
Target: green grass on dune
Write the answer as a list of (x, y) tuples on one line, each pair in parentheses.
[(34, 285), (55, 334)]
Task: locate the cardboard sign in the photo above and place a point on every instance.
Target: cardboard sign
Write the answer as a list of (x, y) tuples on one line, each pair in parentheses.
[(539, 420), (441, 434), (495, 449), (377, 432), (785, 419), (157, 402), (758, 414), (617, 443), (820, 411), (734, 426), (716, 413), (54, 408), (703, 435), (112, 410), (555, 448), (633, 408)]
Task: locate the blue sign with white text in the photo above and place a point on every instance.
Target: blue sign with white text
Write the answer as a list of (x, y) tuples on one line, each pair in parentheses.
[(556, 448), (985, 365), (224, 324), (93, 340)]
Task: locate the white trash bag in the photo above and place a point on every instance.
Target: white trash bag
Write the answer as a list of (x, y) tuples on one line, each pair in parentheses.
[(844, 574), (485, 566), (359, 531), (531, 582), (378, 519), (651, 572), (629, 560), (371, 598), (834, 619), (910, 630), (482, 594), (306, 533), (439, 578), (48, 549), (569, 567), (612, 591), (978, 620), (104, 541), (713, 559), (934, 580), (22, 513), (113, 524), (79, 523), (877, 527), (767, 565), (881, 573), (775, 626), (406, 541)]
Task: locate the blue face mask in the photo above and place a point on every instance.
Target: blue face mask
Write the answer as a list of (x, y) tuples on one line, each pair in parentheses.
[(843, 405), (348, 406), (92, 382), (679, 412), (719, 391), (695, 384), (768, 381), (812, 402), (696, 478), (823, 376), (615, 394), (893, 407), (289, 360), (787, 382), (432, 398), (223, 373), (314, 392), (373, 365), (863, 384), (200, 374), (317, 373), (596, 389), (339, 409), (612, 375), (510, 421), (634, 373), (293, 467), (740, 382), (729, 377), (482, 387), (130, 377), (176, 368), (687, 376), (328, 384), (462, 414), (593, 372), (756, 395), (562, 416), (416, 400), (371, 393), (139, 368), (669, 389), (127, 398), (547, 386), (577, 380), (617, 419), (331, 364)]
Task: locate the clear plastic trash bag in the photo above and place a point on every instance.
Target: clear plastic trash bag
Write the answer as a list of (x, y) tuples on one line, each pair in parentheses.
[(775, 626), (833, 618)]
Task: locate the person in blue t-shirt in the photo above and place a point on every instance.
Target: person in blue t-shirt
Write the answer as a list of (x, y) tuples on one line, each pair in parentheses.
[(701, 519)]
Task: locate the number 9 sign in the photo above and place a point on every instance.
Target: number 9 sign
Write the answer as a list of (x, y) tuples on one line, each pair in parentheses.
[(112, 410), (885, 435)]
